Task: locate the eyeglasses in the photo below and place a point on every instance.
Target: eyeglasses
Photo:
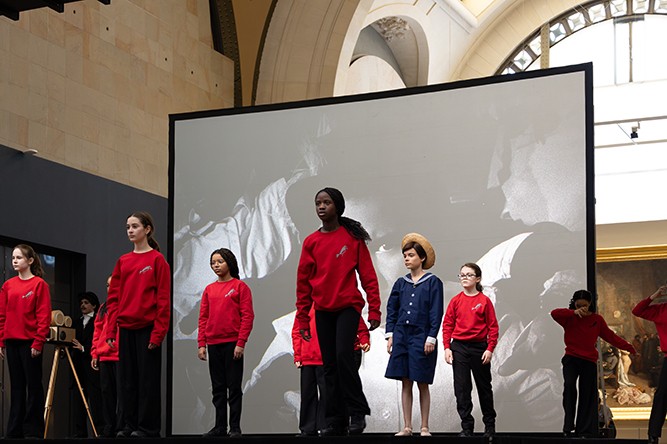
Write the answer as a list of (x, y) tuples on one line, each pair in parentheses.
[(467, 275)]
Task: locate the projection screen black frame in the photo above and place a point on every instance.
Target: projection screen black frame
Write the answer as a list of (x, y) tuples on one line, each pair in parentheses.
[(174, 119)]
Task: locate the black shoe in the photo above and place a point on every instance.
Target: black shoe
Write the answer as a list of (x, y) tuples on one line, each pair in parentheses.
[(653, 439), (357, 425), (489, 431), (465, 433), (123, 434), (334, 431), (215, 433), (307, 435), (234, 433)]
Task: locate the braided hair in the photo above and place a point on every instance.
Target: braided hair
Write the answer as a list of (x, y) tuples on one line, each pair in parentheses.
[(582, 294), (353, 227)]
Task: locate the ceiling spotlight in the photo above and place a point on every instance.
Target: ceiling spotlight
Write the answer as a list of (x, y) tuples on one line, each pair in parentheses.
[(633, 133)]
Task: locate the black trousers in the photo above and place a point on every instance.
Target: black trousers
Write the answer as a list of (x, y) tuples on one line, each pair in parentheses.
[(467, 360), (111, 407), (659, 408), (139, 372), (226, 378), (26, 412), (337, 332), (587, 409), (313, 399)]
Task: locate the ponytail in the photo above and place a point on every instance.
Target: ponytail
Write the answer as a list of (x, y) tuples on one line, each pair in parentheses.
[(353, 227), (147, 221)]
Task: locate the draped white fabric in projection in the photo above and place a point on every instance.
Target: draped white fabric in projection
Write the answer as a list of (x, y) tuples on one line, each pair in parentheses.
[(493, 171)]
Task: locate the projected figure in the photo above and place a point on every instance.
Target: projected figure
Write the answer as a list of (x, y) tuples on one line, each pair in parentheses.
[(331, 258), (225, 321), (414, 314), (582, 328)]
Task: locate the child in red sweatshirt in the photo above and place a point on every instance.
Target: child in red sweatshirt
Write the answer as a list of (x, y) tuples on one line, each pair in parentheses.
[(470, 335), (105, 360), (225, 321), (25, 317), (138, 304), (331, 259), (657, 313), (582, 328)]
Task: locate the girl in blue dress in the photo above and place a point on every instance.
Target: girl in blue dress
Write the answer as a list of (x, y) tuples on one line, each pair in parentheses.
[(414, 315)]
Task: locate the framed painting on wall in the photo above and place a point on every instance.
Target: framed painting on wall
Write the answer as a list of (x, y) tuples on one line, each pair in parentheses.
[(625, 276)]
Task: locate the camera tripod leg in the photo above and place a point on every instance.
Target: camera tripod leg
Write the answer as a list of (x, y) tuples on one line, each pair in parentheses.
[(49, 393), (83, 396)]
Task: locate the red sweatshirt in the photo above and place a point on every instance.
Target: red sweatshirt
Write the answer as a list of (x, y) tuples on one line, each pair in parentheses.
[(306, 352), (100, 349), (225, 314), (139, 295), (327, 276), (472, 319), (656, 313), (25, 310), (581, 334)]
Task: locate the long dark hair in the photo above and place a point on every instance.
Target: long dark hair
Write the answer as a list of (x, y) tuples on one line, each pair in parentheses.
[(29, 253), (353, 227), (147, 221), (585, 295), (478, 273), (230, 259)]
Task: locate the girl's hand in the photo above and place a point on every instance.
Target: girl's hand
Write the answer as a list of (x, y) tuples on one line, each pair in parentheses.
[(486, 357), (305, 335), (111, 343), (34, 353), (238, 352), (93, 364), (2, 352), (661, 291), (201, 353), (374, 324), (297, 364), (581, 312), (449, 356), (77, 345), (152, 346), (428, 348), (365, 347), (390, 342)]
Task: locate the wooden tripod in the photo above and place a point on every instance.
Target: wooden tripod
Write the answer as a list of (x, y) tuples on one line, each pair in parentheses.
[(52, 382)]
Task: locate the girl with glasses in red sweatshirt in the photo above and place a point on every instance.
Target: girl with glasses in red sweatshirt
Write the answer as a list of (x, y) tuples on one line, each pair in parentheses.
[(470, 335), (225, 321), (25, 317), (331, 258), (138, 305), (582, 328)]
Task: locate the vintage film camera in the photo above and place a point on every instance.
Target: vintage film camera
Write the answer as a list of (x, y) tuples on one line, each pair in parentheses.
[(61, 328)]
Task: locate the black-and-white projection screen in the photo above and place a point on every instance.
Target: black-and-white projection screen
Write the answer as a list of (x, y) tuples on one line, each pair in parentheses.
[(496, 171)]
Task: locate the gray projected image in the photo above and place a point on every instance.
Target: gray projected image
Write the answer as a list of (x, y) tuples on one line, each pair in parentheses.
[(491, 173)]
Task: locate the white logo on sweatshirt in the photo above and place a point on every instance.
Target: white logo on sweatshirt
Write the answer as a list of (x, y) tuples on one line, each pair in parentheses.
[(27, 295), (230, 292), (342, 251), (145, 269), (476, 307)]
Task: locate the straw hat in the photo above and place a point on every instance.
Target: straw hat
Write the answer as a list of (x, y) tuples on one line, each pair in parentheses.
[(425, 244)]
